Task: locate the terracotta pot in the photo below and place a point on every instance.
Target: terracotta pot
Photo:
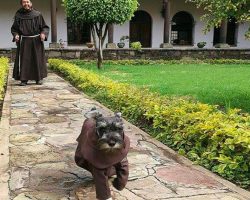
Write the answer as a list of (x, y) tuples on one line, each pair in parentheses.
[(90, 44)]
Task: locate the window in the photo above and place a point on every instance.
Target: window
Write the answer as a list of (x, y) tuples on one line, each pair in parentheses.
[(78, 33)]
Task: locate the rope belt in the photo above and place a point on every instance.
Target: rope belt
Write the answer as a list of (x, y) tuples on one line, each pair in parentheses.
[(30, 36), (21, 37)]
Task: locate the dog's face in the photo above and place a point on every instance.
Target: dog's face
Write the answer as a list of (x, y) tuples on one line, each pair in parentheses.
[(110, 133)]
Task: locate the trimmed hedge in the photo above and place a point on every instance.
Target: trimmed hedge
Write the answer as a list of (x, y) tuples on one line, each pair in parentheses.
[(4, 66), (219, 141)]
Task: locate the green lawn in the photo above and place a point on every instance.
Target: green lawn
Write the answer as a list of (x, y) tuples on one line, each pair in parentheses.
[(224, 85)]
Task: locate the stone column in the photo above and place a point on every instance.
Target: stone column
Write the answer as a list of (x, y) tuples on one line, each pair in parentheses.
[(166, 15), (111, 43), (110, 33), (53, 9), (223, 32)]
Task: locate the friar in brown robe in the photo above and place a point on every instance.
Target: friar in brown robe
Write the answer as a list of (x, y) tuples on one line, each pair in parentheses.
[(102, 165), (29, 31)]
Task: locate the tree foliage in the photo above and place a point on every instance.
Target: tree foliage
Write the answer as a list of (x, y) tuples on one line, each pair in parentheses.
[(100, 11), (99, 14), (219, 10)]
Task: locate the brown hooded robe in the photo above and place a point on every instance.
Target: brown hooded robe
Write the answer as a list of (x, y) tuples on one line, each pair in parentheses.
[(100, 164), (30, 50)]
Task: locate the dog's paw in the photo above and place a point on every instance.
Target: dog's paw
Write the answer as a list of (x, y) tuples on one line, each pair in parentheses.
[(116, 184)]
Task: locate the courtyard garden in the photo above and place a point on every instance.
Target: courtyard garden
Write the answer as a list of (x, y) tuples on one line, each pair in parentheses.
[(225, 84), (216, 137)]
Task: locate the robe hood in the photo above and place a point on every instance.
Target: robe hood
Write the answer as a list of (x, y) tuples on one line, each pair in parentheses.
[(27, 14), (87, 141)]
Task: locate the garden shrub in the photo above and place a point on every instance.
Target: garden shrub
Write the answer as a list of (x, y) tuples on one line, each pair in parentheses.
[(4, 63), (136, 46), (217, 140)]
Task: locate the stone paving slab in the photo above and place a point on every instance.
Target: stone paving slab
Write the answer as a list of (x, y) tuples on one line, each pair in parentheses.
[(39, 129)]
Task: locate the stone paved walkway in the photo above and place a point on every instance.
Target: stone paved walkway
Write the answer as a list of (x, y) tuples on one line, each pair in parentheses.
[(38, 132)]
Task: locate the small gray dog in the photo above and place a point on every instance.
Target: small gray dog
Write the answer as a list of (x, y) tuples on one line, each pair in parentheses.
[(102, 150)]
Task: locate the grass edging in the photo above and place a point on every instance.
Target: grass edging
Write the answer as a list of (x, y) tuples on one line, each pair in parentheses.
[(164, 62), (218, 141)]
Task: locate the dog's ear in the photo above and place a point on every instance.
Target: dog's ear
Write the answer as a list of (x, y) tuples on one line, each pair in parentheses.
[(93, 113), (118, 114), (118, 122)]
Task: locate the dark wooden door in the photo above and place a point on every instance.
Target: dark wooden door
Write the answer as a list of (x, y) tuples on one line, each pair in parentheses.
[(231, 32), (141, 28)]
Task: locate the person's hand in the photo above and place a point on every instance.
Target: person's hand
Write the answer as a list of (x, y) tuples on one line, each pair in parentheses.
[(17, 38), (42, 36)]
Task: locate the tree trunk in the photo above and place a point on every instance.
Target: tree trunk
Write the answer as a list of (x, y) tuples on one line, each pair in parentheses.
[(100, 55), (101, 38)]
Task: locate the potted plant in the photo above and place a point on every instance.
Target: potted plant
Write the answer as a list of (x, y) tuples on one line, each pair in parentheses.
[(123, 39), (61, 43), (136, 46), (90, 44), (201, 44)]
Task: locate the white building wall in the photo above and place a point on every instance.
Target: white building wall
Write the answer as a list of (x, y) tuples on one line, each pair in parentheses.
[(61, 23), (154, 9), (119, 31), (198, 35), (157, 22), (8, 9), (242, 41)]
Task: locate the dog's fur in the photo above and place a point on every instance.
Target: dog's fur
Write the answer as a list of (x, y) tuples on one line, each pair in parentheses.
[(102, 149)]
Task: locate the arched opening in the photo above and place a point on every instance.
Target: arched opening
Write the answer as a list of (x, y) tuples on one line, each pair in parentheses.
[(182, 29), (231, 33), (141, 28), (78, 33)]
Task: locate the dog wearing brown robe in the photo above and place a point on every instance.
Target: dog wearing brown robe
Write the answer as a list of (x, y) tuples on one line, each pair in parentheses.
[(102, 150)]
